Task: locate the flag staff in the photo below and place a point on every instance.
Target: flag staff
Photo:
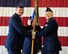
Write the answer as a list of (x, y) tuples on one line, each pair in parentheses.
[(36, 21)]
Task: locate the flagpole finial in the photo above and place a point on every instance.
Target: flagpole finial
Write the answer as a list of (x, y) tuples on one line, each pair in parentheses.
[(36, 0)]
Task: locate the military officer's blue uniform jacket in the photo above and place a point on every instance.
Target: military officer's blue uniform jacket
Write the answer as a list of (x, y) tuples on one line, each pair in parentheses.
[(16, 33), (49, 32)]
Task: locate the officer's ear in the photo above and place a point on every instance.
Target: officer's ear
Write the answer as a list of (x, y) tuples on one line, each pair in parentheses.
[(51, 13), (17, 9)]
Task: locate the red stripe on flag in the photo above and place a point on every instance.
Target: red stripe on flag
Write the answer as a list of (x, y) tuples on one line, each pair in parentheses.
[(63, 40), (62, 21), (51, 3), (2, 40)]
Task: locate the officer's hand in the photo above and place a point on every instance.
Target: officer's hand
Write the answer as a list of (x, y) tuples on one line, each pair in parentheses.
[(34, 23), (29, 22)]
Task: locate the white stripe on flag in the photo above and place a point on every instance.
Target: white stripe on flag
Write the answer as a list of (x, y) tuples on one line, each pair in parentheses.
[(3, 50), (58, 12), (62, 31)]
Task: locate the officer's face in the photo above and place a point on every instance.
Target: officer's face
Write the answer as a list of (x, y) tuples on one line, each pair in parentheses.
[(48, 15), (20, 11)]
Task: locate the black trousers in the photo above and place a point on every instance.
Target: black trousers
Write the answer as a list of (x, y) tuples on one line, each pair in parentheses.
[(15, 51), (49, 52)]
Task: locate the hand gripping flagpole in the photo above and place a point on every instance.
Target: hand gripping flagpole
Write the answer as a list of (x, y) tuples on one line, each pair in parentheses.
[(36, 21)]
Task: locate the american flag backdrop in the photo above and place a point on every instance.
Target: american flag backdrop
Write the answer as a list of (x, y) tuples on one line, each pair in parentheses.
[(60, 10)]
